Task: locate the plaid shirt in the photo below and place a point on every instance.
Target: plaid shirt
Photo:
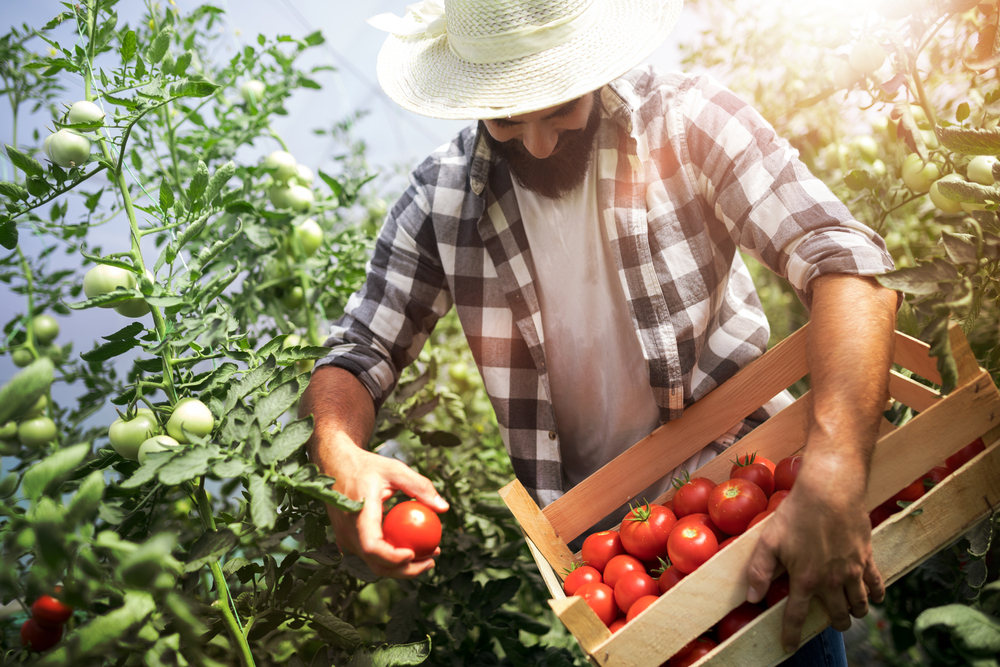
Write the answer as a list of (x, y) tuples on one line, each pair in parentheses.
[(688, 174)]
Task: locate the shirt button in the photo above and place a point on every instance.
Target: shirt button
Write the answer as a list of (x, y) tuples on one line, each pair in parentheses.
[(552, 435)]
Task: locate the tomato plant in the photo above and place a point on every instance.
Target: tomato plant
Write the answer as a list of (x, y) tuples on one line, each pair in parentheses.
[(734, 503), (47, 611), (412, 525), (40, 638)]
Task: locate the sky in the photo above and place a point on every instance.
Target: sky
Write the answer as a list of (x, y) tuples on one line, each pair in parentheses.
[(394, 137)]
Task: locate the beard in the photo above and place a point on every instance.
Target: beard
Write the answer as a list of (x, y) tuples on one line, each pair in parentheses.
[(559, 173)]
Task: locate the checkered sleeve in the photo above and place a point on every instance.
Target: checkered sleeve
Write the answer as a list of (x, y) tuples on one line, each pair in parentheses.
[(386, 323), (771, 205)]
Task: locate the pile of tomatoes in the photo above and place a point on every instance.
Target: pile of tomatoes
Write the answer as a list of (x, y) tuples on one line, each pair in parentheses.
[(656, 546), (45, 627)]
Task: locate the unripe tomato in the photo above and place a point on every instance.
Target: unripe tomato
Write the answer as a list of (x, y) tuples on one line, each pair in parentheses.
[(69, 149), (47, 146), (46, 328), (293, 297), (104, 278), (127, 436), (300, 198), (22, 357), (844, 75), (50, 612), (278, 194), (38, 409), (36, 432), (39, 638), (919, 175), (943, 203), (867, 55), (190, 415), (303, 175), (413, 525), (866, 145), (981, 169), (282, 164), (252, 91), (85, 112), (158, 443), (132, 308), (8, 431), (310, 236)]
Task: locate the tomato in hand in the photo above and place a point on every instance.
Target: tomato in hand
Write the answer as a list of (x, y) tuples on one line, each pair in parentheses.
[(645, 529), (600, 548), (633, 585), (413, 525), (757, 473), (776, 498), (600, 598), (690, 545), (584, 574), (38, 637), (50, 612), (732, 622), (965, 454), (734, 503), (786, 471), (669, 579), (778, 590), (700, 647), (692, 496), (640, 606), (619, 565)]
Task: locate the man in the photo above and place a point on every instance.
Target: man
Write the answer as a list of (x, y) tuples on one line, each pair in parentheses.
[(586, 230)]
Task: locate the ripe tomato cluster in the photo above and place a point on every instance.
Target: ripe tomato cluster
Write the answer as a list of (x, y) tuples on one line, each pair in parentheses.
[(45, 627), (919, 486), (625, 571)]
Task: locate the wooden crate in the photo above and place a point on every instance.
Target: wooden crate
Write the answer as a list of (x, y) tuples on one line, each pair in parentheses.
[(944, 425)]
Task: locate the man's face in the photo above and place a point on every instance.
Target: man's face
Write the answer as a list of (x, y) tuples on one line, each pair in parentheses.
[(548, 151)]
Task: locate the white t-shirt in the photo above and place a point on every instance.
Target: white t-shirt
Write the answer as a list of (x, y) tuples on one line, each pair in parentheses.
[(598, 379)]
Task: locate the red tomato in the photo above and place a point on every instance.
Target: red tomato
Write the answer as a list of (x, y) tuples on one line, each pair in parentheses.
[(748, 459), (640, 606), (690, 545), (732, 622), (786, 471), (617, 625), (965, 454), (704, 520), (726, 542), (778, 590), (601, 599), (776, 498), (883, 512), (600, 548), (910, 492), (413, 525), (619, 565), (760, 517), (633, 585), (758, 474), (50, 612), (692, 496), (38, 637), (645, 529), (702, 647), (669, 579), (584, 574), (935, 476), (734, 503)]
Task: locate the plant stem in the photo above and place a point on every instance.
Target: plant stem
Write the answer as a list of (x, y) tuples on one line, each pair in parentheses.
[(29, 325)]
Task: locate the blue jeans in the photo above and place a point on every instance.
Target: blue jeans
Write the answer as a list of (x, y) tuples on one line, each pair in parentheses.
[(824, 650)]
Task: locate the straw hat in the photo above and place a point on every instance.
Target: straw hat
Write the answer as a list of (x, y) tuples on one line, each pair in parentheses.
[(472, 59)]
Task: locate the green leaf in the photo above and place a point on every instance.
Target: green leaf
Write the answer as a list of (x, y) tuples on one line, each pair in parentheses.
[(8, 234), (88, 497), (219, 180), (25, 163), (211, 547), (129, 332), (440, 439), (25, 388), (334, 629), (209, 253), (13, 191), (128, 47), (108, 351), (166, 195), (290, 440), (923, 279), (190, 232), (276, 403), (969, 141), (46, 476), (250, 381), (980, 536), (859, 179), (108, 298), (392, 656), (189, 88), (962, 112), (970, 193), (183, 61), (159, 47), (263, 505), (936, 335), (189, 465), (198, 182), (960, 248), (497, 592), (969, 631)]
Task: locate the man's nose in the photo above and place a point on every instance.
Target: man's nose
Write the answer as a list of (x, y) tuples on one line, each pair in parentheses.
[(540, 141)]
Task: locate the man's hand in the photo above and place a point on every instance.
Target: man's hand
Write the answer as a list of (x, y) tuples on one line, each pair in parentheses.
[(344, 417), (822, 535)]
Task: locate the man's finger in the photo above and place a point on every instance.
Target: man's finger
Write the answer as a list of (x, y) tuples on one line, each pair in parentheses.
[(837, 606), (417, 486), (874, 582), (857, 598), (763, 565), (796, 609)]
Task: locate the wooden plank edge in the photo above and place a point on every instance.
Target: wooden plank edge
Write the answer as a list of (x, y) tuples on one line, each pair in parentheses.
[(537, 527), (582, 622), (913, 355), (549, 576), (911, 393)]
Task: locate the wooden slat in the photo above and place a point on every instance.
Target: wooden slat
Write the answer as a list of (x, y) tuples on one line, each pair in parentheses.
[(900, 544), (968, 367), (911, 354), (581, 620), (911, 393), (549, 576), (537, 527), (676, 441)]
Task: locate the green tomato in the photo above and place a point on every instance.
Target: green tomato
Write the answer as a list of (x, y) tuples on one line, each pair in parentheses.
[(47, 147), (981, 169), (866, 146), (300, 198), (867, 55), (134, 308), (85, 112), (192, 416), (919, 175), (8, 431), (22, 357), (878, 168), (158, 443), (103, 279), (38, 409), (36, 432), (293, 340), (942, 202), (310, 235), (54, 352), (278, 194), (282, 164), (128, 435), (69, 148), (252, 91), (46, 328), (293, 298), (303, 175)]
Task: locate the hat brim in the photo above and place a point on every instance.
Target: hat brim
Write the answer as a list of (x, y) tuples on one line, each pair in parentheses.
[(423, 75)]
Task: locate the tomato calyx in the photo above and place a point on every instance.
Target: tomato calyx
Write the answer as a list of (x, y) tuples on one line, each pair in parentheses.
[(748, 459), (678, 483), (639, 512)]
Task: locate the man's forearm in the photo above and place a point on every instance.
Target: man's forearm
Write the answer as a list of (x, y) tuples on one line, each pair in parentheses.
[(343, 415)]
